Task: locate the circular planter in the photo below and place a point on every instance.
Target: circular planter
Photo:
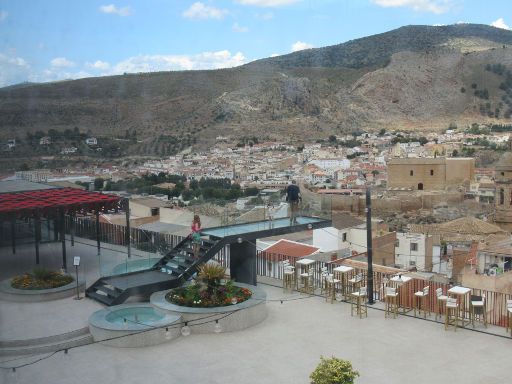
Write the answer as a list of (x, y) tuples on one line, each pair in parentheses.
[(231, 318), (133, 325), (7, 292)]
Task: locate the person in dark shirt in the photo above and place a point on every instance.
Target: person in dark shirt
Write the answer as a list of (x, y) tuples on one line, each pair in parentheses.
[(293, 198)]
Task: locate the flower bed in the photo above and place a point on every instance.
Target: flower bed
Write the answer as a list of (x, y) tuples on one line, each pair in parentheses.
[(41, 279), (199, 295)]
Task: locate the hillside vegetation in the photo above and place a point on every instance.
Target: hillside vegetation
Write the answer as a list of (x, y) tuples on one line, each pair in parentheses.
[(414, 77)]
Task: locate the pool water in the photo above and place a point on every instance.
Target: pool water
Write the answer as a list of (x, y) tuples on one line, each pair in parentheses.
[(143, 315)]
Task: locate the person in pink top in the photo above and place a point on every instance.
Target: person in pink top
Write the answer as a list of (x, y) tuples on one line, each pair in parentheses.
[(196, 235)]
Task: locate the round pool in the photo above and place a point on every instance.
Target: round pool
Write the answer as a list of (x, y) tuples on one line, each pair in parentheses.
[(133, 325), (134, 316), (134, 265)]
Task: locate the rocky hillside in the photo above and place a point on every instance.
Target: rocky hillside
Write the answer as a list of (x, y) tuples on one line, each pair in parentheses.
[(410, 78)]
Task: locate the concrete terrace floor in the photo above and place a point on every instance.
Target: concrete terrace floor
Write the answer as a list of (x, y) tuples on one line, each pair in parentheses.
[(284, 348)]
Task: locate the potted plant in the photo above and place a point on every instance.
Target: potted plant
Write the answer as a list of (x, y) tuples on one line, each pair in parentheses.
[(333, 371)]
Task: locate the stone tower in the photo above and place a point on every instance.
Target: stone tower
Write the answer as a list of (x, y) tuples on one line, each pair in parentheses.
[(503, 195)]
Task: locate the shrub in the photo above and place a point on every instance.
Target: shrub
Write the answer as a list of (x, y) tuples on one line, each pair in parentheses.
[(333, 371), (211, 273), (41, 273)]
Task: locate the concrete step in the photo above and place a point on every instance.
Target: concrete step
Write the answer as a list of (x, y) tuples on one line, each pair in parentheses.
[(44, 340), (46, 348)]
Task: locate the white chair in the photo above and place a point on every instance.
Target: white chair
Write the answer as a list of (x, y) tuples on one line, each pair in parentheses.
[(391, 300), (330, 287), (358, 302), (451, 313), (440, 301), (288, 276), (478, 309), (356, 281), (509, 316), (422, 296), (306, 279), (324, 272)]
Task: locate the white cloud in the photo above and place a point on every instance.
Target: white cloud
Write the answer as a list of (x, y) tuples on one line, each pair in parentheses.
[(275, 55), (112, 9), (61, 62), (3, 15), (500, 23), (434, 6), (13, 70), (98, 65), (300, 45), (154, 63), (267, 3), (199, 10), (239, 28), (53, 74)]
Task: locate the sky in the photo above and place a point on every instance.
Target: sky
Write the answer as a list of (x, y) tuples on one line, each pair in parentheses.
[(50, 40)]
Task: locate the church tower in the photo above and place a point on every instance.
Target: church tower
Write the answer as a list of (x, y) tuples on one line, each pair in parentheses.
[(503, 194)]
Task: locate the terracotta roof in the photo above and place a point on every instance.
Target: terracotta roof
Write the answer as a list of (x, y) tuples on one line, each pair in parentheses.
[(291, 249), (344, 220), (462, 229)]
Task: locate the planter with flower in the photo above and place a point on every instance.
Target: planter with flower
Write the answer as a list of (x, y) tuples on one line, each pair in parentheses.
[(39, 285), (224, 303)]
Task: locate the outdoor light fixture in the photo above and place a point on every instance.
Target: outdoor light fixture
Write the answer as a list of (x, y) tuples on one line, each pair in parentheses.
[(310, 226), (234, 301), (239, 240), (167, 333), (185, 330), (218, 327)]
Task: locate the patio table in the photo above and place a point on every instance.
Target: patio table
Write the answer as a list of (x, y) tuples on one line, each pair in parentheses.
[(303, 267), (342, 273), (462, 294), (400, 282)]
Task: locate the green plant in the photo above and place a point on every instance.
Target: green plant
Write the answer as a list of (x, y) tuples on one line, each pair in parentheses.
[(333, 371), (41, 273), (211, 273)]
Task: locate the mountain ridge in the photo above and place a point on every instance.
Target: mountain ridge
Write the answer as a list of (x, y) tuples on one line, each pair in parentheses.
[(411, 77)]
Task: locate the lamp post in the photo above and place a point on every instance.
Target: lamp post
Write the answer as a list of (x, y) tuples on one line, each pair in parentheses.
[(369, 244)]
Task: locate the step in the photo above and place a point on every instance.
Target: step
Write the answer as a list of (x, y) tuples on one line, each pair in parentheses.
[(46, 348), (44, 340), (101, 298), (108, 291)]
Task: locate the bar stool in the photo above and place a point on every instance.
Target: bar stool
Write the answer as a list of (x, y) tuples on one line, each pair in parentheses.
[(391, 300), (478, 309), (288, 276), (423, 297), (330, 287), (451, 313), (323, 276), (358, 302), (355, 282), (306, 279), (509, 316), (440, 302)]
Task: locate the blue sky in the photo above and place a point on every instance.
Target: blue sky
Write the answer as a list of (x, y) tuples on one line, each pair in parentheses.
[(48, 40)]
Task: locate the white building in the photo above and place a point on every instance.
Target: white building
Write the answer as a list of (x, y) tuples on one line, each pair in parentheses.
[(417, 250)]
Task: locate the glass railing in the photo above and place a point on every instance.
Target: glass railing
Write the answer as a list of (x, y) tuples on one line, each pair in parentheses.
[(273, 215)]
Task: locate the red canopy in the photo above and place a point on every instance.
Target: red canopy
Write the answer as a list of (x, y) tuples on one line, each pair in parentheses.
[(71, 199)]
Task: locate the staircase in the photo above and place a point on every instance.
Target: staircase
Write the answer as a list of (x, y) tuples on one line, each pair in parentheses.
[(171, 271)]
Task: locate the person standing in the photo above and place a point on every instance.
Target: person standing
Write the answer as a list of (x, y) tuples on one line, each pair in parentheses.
[(196, 235), (293, 197)]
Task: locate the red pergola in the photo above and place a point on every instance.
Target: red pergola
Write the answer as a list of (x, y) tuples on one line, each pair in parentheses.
[(55, 203), (45, 201)]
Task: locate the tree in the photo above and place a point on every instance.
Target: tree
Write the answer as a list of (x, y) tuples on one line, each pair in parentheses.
[(382, 132), (333, 371), (98, 184), (455, 153), (423, 140), (332, 139)]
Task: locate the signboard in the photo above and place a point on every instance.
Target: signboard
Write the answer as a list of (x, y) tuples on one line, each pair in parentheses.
[(76, 261)]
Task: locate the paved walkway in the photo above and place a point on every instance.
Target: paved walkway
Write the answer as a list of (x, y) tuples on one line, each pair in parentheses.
[(285, 348)]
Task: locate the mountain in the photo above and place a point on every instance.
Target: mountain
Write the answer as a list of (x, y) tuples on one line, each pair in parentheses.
[(414, 77)]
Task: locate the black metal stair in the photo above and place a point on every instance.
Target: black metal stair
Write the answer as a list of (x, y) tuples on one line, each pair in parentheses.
[(171, 271)]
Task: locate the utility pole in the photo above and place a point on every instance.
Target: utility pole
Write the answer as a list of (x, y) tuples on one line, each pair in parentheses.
[(369, 244)]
